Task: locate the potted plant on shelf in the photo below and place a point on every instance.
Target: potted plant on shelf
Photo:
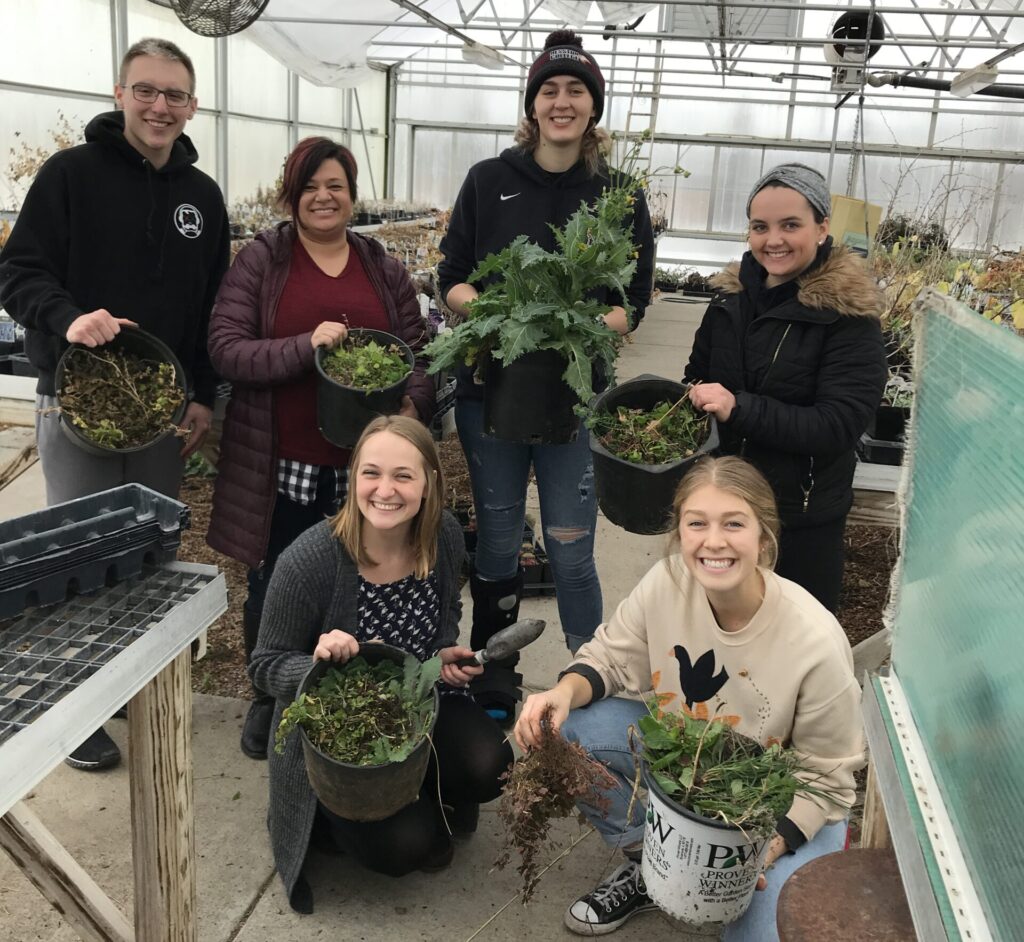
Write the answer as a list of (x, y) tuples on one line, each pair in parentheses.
[(645, 435), (533, 334), (365, 730), (714, 797), (365, 376)]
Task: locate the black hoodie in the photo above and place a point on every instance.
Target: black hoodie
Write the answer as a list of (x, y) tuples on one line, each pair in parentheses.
[(102, 228)]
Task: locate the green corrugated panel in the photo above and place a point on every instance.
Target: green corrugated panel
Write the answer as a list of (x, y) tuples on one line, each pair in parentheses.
[(958, 633)]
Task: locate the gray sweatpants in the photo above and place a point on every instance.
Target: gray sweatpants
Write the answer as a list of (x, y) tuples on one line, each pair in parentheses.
[(70, 472)]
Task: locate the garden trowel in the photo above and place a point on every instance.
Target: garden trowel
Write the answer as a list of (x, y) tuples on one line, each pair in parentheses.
[(507, 641)]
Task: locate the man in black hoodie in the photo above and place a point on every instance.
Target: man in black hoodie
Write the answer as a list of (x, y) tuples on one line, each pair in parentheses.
[(121, 230)]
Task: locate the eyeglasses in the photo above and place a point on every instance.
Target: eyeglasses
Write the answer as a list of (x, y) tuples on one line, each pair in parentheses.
[(174, 97)]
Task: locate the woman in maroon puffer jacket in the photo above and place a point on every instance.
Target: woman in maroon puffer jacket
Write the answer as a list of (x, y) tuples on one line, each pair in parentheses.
[(298, 286)]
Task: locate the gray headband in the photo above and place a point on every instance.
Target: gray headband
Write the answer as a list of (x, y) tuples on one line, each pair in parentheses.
[(799, 177)]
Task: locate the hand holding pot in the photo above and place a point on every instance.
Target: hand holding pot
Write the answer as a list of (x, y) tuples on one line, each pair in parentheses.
[(336, 645), (96, 328), (776, 849), (328, 334), (713, 398), (451, 673)]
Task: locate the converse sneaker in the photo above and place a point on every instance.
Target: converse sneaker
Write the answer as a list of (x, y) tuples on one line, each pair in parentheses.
[(608, 906)]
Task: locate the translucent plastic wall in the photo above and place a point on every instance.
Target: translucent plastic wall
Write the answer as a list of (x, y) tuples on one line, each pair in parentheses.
[(74, 63), (958, 643)]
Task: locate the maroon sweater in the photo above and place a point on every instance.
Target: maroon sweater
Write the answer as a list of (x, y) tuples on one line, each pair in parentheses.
[(311, 297), (244, 350)]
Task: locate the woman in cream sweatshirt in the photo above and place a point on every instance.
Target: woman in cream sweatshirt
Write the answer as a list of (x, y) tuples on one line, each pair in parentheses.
[(711, 629)]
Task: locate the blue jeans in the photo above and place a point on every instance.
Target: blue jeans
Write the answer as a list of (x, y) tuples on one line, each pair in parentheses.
[(499, 472), (601, 729)]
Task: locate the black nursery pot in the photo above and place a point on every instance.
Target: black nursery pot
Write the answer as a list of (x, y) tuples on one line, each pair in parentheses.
[(527, 400), (365, 792), (343, 412), (144, 345), (638, 497), (889, 423)]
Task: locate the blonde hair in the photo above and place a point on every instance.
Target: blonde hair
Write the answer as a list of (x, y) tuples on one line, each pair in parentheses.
[(594, 148), (347, 523), (741, 479)]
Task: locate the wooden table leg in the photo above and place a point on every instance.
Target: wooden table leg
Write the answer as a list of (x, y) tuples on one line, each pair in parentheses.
[(60, 878), (875, 829), (163, 817)]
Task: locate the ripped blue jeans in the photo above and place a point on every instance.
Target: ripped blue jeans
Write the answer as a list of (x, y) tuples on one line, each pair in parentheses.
[(499, 472)]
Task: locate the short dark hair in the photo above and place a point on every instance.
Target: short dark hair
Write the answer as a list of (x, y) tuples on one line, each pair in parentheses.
[(304, 161), (160, 49)]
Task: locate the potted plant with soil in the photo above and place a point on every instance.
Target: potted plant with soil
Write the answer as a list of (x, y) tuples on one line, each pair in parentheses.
[(714, 797), (363, 377), (365, 728), (534, 334), (645, 435), (122, 397)]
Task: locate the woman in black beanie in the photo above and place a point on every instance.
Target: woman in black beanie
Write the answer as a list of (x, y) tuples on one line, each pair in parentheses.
[(557, 163)]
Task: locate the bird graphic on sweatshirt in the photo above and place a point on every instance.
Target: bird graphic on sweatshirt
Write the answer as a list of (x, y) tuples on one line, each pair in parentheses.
[(698, 680)]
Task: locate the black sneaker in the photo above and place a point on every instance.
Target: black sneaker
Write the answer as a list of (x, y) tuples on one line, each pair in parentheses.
[(99, 751), (611, 903)]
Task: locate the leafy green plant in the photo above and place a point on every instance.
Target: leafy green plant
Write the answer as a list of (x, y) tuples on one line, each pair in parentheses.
[(535, 299), (366, 714), (119, 400), (362, 363), (708, 767), (668, 432)]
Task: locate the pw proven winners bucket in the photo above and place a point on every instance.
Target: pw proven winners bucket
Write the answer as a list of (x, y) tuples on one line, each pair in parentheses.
[(696, 869)]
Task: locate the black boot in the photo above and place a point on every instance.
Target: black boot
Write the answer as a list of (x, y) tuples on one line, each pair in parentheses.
[(256, 730), (496, 606)]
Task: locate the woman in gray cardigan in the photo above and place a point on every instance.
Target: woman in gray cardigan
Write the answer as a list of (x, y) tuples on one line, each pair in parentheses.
[(386, 568)]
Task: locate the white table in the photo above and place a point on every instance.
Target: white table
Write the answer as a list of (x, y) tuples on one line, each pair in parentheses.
[(151, 672)]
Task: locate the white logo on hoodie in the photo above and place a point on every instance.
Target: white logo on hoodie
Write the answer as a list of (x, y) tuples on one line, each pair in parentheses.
[(188, 221)]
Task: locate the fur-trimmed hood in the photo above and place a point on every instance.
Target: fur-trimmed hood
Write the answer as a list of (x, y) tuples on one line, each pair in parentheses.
[(841, 283)]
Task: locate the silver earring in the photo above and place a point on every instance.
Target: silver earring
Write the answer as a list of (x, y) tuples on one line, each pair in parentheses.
[(822, 242)]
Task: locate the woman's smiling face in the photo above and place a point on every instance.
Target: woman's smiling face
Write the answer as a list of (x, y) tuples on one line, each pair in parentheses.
[(720, 540), (782, 233), (563, 109), (390, 481)]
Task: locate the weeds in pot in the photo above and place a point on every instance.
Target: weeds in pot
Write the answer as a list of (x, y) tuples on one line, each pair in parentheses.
[(119, 400), (710, 768), (366, 714), (668, 432), (543, 785), (367, 364)]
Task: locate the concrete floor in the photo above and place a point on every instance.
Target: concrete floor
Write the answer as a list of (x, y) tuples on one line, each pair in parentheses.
[(240, 896)]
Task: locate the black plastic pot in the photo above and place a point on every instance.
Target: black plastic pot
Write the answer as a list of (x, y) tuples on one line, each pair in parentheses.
[(136, 341), (638, 497), (527, 400), (342, 411), (889, 423), (365, 792)]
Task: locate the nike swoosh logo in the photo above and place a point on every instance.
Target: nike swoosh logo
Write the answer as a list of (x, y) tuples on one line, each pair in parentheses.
[(510, 196)]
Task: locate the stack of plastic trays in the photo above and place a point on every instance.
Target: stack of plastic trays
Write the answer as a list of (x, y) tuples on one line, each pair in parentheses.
[(84, 544)]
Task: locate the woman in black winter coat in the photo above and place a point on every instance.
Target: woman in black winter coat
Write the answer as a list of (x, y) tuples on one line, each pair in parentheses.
[(789, 359)]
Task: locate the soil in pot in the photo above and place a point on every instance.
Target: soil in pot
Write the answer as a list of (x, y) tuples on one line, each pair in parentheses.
[(528, 401), (365, 729), (645, 435), (359, 380), (120, 397)]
